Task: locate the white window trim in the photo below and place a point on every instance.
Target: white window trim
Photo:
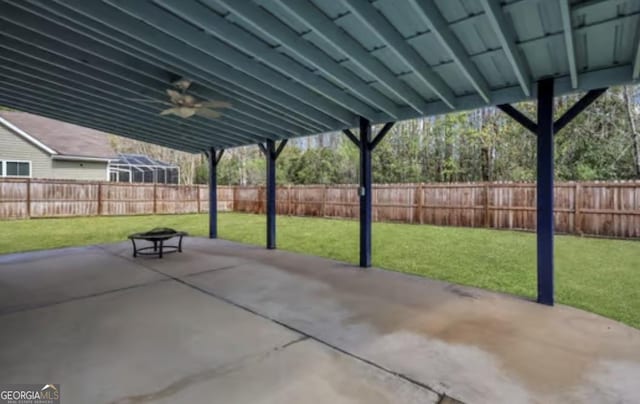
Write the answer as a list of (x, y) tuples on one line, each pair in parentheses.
[(4, 169)]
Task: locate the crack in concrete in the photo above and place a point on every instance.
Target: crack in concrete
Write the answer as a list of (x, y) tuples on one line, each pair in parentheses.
[(205, 375), (206, 271), (23, 308), (151, 268)]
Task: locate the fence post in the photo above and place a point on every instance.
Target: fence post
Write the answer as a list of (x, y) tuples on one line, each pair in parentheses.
[(577, 201), (99, 199), (28, 198), (487, 222), (420, 207), (324, 200), (198, 198), (263, 199), (288, 200), (155, 198), (234, 197)]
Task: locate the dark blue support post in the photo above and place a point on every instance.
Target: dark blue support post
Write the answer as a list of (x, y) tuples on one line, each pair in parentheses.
[(366, 145), (271, 194), (214, 158), (545, 192), (271, 154), (365, 193), (545, 128)]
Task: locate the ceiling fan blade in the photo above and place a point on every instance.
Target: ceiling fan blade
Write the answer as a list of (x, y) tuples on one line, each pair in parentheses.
[(214, 104), (169, 111), (174, 96), (208, 113), (182, 112), (189, 100), (186, 112)]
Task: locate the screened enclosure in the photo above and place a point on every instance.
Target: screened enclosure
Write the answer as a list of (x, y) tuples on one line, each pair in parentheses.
[(137, 168)]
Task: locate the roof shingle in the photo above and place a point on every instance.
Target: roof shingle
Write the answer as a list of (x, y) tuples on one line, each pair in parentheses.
[(64, 138)]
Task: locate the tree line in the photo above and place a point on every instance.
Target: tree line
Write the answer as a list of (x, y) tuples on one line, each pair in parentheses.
[(602, 143)]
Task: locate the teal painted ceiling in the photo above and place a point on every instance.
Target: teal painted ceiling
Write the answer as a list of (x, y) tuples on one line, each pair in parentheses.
[(299, 67)]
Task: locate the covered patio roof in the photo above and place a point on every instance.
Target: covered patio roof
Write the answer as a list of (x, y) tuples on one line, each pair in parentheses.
[(296, 68)]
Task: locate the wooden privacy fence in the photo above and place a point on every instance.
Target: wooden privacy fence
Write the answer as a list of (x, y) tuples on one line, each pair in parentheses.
[(609, 209), (39, 198)]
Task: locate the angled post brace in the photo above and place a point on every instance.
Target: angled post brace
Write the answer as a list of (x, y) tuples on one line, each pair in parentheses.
[(352, 137), (561, 122), (578, 107), (373, 143), (519, 117)]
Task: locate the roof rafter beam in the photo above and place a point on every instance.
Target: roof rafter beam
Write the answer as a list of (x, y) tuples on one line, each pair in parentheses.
[(250, 104), (169, 25), (143, 125), (567, 27), (30, 75), (56, 99), (271, 26), (62, 114), (507, 37), (103, 96), (212, 23), (330, 32), (635, 75), (42, 40), (139, 31), (37, 59), (377, 23), (429, 12), (149, 136), (636, 64), (32, 88)]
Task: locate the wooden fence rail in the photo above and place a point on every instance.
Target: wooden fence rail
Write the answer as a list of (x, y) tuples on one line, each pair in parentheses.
[(610, 209)]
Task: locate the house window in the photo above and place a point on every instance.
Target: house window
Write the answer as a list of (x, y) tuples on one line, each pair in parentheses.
[(12, 168)]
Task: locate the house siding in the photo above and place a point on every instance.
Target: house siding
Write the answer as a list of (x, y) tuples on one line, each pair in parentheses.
[(79, 170), (14, 147)]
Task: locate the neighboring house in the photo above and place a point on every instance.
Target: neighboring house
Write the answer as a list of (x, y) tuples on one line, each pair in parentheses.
[(37, 147)]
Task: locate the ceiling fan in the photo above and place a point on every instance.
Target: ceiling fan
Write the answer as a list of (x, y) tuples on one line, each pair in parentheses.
[(186, 105)]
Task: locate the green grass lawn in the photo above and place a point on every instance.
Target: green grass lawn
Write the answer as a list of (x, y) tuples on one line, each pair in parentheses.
[(598, 275)]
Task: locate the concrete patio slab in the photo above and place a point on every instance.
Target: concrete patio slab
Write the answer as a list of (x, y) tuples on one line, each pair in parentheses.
[(224, 322)]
